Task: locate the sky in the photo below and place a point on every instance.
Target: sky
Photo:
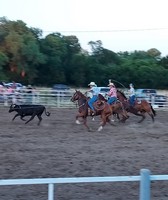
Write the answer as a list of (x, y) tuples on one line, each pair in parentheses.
[(121, 25)]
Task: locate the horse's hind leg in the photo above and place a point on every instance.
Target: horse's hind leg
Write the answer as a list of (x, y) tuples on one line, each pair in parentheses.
[(152, 116), (85, 124), (143, 117)]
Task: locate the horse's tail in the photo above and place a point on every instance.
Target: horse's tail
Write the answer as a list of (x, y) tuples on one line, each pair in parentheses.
[(154, 111)]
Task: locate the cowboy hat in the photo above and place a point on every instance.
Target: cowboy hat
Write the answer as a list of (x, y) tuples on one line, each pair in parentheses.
[(111, 84), (92, 84)]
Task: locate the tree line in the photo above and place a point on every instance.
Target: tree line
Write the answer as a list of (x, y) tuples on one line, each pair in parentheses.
[(28, 57)]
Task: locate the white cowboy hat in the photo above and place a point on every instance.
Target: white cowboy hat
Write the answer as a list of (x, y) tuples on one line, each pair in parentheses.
[(111, 84), (92, 84)]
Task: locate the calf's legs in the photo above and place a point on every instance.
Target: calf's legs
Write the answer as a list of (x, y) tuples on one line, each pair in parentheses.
[(31, 118)]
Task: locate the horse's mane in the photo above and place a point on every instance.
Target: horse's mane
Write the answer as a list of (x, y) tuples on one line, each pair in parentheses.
[(122, 93), (101, 97), (81, 94)]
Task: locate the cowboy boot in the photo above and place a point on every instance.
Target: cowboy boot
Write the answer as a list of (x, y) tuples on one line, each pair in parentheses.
[(90, 112), (93, 112)]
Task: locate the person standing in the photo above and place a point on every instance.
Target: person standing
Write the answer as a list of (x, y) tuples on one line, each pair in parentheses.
[(112, 94), (95, 92), (131, 94), (29, 96)]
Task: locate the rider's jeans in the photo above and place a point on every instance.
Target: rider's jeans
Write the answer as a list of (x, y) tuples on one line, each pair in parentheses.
[(92, 100)]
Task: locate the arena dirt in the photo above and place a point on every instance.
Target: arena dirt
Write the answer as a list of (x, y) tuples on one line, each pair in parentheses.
[(60, 148)]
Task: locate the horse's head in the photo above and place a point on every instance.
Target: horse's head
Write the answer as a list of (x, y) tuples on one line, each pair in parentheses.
[(77, 95), (101, 97), (121, 96)]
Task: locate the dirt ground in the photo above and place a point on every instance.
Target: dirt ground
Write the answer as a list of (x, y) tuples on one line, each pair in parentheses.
[(60, 148)]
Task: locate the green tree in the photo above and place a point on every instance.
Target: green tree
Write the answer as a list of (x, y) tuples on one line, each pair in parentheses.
[(164, 62), (55, 51), (3, 61), (22, 50)]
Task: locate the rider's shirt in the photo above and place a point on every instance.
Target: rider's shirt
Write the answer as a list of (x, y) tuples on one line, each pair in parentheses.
[(95, 91), (131, 91), (112, 92)]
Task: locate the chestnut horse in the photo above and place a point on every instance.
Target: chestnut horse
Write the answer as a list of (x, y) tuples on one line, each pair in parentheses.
[(102, 108), (139, 108), (118, 109)]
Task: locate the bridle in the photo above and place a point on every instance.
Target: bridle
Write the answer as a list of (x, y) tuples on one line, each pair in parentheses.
[(81, 100)]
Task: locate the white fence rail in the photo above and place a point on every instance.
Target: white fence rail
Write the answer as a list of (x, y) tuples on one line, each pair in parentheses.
[(44, 97), (144, 192), (60, 99)]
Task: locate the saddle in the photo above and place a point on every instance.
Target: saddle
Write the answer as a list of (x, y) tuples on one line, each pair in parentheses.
[(99, 105)]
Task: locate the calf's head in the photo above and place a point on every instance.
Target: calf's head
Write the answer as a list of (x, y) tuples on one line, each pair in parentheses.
[(13, 107)]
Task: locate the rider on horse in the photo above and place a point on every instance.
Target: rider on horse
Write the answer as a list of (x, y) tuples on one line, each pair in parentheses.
[(95, 92), (131, 94), (112, 94)]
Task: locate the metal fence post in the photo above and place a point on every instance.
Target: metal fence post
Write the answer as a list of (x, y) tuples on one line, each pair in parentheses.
[(50, 191), (145, 184)]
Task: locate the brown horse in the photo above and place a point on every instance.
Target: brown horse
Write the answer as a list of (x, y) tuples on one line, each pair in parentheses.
[(140, 107), (102, 108), (118, 109)]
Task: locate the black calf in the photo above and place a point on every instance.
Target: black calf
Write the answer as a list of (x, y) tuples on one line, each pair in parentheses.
[(28, 110)]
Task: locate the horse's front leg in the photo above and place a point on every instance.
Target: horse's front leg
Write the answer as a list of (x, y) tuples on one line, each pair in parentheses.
[(138, 113), (124, 115), (77, 120), (110, 121), (79, 115), (85, 123), (103, 123), (84, 117)]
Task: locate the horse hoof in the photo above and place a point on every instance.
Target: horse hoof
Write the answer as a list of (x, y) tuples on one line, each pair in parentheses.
[(100, 128), (78, 122)]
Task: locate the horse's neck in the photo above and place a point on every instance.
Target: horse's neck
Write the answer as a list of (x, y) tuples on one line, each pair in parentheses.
[(122, 99), (101, 97), (81, 101)]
